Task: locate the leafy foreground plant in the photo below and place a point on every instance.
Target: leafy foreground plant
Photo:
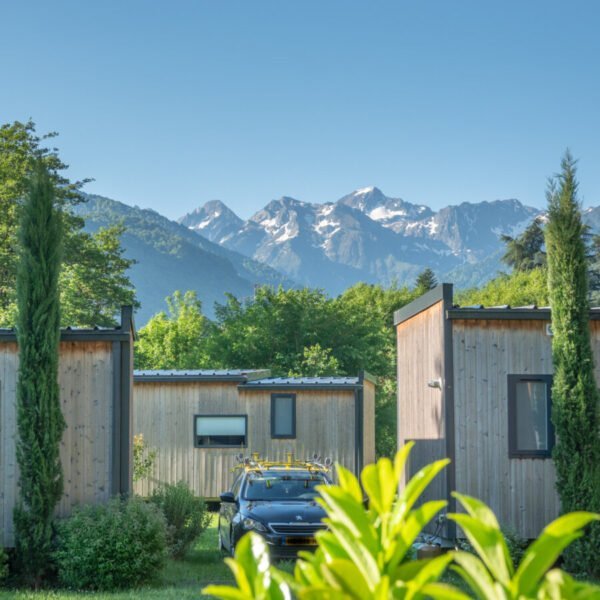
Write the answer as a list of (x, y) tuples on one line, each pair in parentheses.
[(367, 552), (491, 574)]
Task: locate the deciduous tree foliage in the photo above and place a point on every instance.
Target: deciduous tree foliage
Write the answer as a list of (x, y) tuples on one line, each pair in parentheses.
[(177, 340), (575, 397), (40, 423), (94, 283)]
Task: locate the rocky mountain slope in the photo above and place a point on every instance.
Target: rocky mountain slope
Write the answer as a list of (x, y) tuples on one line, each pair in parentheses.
[(367, 236), (172, 257)]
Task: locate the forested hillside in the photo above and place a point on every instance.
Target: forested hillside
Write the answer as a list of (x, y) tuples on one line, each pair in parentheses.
[(169, 256)]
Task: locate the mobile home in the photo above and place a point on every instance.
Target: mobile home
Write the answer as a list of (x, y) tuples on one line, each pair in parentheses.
[(474, 385), (95, 379), (200, 421)]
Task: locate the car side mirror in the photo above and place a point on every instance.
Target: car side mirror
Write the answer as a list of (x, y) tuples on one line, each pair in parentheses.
[(227, 497)]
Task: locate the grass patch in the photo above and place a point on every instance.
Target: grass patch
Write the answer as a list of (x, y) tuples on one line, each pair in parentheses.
[(182, 579)]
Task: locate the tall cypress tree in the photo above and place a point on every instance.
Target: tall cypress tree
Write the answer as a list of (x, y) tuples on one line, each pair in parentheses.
[(40, 422), (575, 397)]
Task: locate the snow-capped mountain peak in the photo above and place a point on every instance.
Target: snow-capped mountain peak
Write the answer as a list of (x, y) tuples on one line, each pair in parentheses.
[(365, 236), (213, 220)]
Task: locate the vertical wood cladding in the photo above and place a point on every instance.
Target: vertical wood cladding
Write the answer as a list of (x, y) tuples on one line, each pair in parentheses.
[(86, 395), (519, 490), (420, 343), (164, 414)]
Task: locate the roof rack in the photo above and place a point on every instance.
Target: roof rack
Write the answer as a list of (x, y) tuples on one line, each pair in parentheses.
[(255, 463)]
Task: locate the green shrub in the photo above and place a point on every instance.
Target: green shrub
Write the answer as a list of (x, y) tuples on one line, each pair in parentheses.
[(117, 545), (3, 565), (186, 516), (516, 545)]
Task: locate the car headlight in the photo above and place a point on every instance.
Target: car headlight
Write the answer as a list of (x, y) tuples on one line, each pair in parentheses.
[(251, 524)]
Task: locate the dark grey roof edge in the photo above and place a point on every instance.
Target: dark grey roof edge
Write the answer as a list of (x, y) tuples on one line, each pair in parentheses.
[(437, 294), (304, 386), (120, 333), (185, 376), (365, 375), (508, 314)]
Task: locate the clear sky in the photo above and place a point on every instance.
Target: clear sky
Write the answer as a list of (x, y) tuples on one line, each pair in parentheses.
[(168, 104)]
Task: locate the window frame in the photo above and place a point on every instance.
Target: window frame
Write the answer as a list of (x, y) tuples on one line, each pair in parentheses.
[(274, 398), (204, 416), (513, 450)]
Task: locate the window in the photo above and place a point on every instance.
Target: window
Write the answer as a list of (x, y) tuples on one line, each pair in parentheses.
[(283, 415), (530, 432), (220, 431)]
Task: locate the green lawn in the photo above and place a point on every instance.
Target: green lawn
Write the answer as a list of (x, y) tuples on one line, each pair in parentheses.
[(180, 580)]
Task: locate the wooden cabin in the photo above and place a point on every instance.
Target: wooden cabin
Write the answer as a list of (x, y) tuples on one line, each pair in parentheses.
[(199, 421), (95, 379), (474, 385)]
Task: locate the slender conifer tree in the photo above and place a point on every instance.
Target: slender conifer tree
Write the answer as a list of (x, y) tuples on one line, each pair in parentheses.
[(575, 397), (40, 421)]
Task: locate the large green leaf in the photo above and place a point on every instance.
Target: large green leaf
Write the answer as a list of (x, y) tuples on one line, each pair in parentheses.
[(349, 483), (484, 514), (343, 509), (344, 573), (380, 484), (401, 458), (477, 577), (542, 554), (404, 535), (413, 490), (443, 591), (557, 585)]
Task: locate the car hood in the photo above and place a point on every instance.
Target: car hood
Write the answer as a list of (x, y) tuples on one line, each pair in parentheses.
[(285, 512)]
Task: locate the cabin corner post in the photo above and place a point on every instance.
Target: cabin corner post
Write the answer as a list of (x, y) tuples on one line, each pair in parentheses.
[(358, 424), (126, 404), (448, 379), (115, 452)]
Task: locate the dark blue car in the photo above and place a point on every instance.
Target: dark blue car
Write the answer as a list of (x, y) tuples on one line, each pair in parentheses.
[(276, 501)]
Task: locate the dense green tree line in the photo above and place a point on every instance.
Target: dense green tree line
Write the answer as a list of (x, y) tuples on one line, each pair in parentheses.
[(93, 280)]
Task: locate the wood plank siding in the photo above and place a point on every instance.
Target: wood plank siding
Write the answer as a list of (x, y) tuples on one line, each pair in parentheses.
[(420, 341), (86, 394), (164, 414), (519, 490)]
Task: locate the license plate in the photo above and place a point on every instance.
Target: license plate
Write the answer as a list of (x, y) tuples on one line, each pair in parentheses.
[(300, 541)]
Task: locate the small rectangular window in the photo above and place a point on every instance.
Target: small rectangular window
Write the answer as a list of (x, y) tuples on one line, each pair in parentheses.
[(220, 431), (530, 432), (283, 415)]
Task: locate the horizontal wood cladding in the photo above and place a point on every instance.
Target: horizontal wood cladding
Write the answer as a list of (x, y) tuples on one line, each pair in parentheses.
[(164, 414), (420, 345), (86, 394), (520, 491)]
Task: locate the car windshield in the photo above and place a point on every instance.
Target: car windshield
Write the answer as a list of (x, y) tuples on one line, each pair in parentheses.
[(282, 485)]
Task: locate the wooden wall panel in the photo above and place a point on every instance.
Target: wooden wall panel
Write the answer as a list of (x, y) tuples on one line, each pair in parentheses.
[(86, 392), (420, 343), (164, 413), (520, 491)]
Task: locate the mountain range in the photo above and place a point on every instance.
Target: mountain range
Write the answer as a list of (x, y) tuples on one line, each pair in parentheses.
[(363, 236), (367, 236)]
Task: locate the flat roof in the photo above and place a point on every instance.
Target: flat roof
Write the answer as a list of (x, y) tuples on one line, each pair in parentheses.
[(236, 375), (444, 292), (283, 383)]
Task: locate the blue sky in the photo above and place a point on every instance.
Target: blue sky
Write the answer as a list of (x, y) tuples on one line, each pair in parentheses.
[(170, 104)]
